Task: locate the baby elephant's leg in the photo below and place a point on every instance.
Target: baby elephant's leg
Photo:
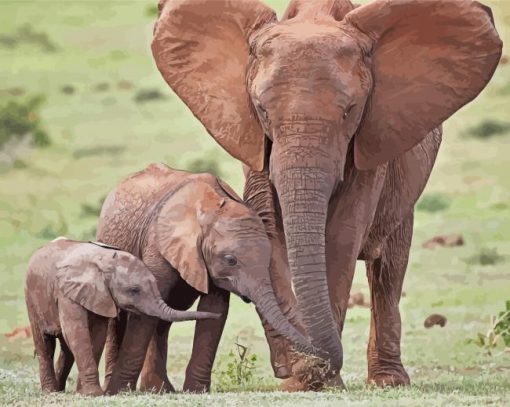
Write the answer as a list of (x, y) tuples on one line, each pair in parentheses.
[(75, 328)]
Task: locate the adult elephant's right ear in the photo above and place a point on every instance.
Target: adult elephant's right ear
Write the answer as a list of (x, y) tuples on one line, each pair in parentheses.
[(428, 59), (201, 49)]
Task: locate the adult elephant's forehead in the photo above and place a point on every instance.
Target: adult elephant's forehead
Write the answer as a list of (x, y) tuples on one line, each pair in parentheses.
[(324, 35)]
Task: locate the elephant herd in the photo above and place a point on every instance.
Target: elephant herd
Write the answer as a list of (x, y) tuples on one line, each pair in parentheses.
[(335, 111)]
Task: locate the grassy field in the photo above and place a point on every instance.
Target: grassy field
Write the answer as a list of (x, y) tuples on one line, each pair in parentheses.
[(108, 113)]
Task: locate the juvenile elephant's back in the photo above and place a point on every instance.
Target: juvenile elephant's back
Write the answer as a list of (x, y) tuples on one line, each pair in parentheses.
[(128, 206)]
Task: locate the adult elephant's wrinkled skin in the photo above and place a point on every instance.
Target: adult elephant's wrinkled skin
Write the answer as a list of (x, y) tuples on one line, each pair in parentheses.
[(336, 113)]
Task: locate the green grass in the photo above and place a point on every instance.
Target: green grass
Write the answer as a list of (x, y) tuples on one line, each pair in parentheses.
[(99, 133)]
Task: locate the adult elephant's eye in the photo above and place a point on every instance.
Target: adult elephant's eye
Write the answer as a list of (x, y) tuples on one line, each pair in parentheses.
[(231, 260)]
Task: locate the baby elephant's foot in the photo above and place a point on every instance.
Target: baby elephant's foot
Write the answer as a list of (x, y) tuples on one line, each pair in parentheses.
[(91, 390)]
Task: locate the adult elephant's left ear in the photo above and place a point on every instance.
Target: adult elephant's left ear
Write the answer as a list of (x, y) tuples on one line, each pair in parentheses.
[(201, 49), (429, 58)]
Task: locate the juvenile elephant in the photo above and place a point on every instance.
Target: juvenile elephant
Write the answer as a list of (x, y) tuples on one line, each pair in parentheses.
[(71, 290), (336, 112), (199, 240)]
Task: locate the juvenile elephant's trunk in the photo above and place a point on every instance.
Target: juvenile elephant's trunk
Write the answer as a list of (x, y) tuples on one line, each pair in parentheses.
[(304, 189), (265, 301), (158, 308)]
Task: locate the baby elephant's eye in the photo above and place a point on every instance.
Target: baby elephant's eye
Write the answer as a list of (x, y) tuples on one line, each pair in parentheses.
[(134, 290), (231, 260)]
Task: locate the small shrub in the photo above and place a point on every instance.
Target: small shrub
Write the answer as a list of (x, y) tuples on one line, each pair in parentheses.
[(111, 150), (102, 87), (27, 35), (152, 11), (486, 257), (54, 230), (92, 210), (19, 118), (489, 128), (205, 165), (68, 89), (239, 370), (148, 95), (499, 330), (433, 203)]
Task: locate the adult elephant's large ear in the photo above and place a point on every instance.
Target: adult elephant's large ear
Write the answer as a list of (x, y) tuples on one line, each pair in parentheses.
[(201, 49), (179, 233), (429, 58)]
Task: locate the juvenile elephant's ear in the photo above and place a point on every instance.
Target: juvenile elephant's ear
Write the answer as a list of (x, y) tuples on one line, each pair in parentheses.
[(429, 58), (201, 49), (179, 235), (228, 190), (81, 280)]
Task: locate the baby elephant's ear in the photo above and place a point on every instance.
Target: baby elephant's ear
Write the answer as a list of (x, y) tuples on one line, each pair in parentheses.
[(179, 237), (81, 280)]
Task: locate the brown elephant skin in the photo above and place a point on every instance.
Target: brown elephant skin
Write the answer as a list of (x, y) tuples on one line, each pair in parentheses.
[(336, 113), (200, 241), (72, 289)]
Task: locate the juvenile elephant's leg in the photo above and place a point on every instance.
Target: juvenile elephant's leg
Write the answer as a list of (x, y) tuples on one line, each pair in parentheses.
[(45, 349), (154, 376), (139, 330), (75, 329), (115, 333), (205, 343), (385, 277), (64, 364)]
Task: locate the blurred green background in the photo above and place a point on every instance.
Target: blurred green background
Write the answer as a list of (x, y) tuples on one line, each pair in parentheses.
[(82, 105)]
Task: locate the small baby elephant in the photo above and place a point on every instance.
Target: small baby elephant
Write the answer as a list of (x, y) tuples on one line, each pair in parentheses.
[(71, 290)]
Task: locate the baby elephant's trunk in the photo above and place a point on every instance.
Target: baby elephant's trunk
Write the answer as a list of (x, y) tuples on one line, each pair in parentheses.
[(161, 310)]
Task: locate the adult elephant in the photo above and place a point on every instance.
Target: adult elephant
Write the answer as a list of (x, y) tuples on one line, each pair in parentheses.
[(335, 111)]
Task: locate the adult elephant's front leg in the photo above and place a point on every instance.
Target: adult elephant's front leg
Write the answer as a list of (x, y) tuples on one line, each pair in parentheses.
[(205, 343), (385, 277), (139, 331)]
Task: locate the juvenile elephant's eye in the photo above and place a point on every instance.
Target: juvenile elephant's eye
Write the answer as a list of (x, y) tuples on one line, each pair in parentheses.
[(347, 111), (134, 290), (262, 111), (231, 260)]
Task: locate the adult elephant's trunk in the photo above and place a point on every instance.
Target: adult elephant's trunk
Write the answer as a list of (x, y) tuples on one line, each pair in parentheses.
[(264, 299), (159, 309), (304, 185)]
